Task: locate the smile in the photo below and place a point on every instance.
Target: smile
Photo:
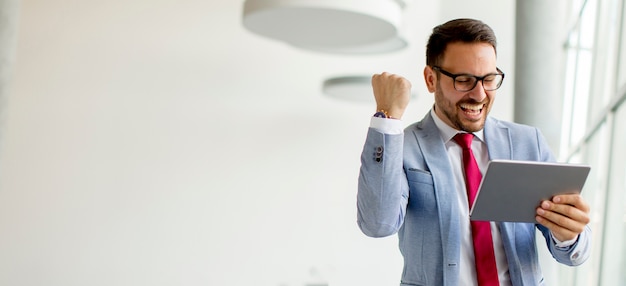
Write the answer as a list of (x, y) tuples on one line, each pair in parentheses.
[(472, 108)]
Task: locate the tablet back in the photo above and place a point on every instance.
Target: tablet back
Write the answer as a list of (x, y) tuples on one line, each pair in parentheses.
[(512, 190)]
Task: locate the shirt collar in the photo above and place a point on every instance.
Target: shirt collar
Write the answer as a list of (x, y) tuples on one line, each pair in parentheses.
[(447, 132)]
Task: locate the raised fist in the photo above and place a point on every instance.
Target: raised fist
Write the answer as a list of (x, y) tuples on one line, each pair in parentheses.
[(392, 93)]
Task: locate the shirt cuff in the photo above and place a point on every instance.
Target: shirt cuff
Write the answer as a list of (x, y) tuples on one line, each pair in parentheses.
[(564, 244), (387, 125)]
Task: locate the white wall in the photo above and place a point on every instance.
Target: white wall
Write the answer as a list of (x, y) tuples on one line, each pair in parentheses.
[(159, 143)]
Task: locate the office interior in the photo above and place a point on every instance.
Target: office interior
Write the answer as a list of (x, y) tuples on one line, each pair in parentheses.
[(162, 143)]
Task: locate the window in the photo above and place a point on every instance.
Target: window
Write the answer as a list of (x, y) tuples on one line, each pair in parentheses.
[(594, 120), (622, 55), (615, 236)]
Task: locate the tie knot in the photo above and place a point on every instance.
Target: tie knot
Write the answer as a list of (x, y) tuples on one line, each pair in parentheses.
[(464, 139)]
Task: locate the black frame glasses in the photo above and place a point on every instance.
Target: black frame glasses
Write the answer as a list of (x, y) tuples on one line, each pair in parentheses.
[(467, 82)]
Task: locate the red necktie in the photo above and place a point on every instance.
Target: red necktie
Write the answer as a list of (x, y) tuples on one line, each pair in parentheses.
[(484, 256)]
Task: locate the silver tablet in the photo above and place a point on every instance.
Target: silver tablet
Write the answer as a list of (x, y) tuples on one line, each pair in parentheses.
[(512, 190)]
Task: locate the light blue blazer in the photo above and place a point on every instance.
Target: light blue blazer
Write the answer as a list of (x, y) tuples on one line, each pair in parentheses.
[(406, 187)]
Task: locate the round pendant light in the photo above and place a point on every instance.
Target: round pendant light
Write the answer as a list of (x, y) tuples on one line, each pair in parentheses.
[(333, 26), (351, 88), (354, 88)]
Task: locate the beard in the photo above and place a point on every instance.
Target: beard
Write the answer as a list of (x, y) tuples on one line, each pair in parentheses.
[(451, 112)]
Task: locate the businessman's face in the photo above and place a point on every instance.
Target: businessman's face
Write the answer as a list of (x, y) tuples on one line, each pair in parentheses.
[(463, 110)]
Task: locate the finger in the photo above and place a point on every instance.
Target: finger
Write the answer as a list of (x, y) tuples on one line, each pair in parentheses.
[(575, 225), (572, 199), (569, 211), (563, 228), (559, 232)]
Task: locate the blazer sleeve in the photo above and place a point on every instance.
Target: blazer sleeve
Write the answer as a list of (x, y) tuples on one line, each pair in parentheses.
[(572, 255), (382, 186)]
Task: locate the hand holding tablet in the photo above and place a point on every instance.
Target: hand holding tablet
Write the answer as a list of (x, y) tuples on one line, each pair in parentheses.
[(512, 190)]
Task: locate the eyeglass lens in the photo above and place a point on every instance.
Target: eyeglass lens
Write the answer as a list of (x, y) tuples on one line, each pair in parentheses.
[(466, 83)]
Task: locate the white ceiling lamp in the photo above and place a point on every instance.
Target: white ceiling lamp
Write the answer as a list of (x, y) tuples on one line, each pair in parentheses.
[(355, 88), (332, 26), (351, 88)]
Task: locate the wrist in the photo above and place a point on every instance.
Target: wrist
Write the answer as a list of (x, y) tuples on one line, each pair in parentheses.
[(384, 113)]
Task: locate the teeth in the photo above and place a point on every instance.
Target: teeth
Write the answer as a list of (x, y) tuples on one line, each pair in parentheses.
[(472, 107)]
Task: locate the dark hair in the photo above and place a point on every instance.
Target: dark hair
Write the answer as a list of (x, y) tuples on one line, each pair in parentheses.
[(459, 30)]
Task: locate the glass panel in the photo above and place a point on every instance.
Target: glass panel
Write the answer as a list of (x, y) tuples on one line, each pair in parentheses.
[(568, 93), (619, 184), (595, 68), (594, 192), (622, 54), (575, 7), (615, 236), (581, 96), (605, 58), (583, 72), (587, 24)]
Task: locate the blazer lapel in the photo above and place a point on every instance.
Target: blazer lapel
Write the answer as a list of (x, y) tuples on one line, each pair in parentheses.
[(497, 139), (436, 157)]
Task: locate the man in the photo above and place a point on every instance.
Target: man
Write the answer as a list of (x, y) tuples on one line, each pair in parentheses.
[(416, 183)]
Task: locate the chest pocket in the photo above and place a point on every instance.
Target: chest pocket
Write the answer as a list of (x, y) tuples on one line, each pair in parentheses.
[(419, 176), (421, 191)]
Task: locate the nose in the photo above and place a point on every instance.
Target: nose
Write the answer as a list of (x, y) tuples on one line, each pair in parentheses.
[(478, 93)]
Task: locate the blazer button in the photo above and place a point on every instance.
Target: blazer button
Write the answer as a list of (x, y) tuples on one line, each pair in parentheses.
[(378, 156)]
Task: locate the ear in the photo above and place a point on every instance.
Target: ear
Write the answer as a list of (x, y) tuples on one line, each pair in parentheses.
[(430, 78)]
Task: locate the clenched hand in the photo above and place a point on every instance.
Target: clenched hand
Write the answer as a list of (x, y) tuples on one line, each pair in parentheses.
[(392, 93)]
